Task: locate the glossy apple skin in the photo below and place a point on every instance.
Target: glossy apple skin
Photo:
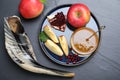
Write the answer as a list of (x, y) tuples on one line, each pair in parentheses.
[(30, 8), (78, 15)]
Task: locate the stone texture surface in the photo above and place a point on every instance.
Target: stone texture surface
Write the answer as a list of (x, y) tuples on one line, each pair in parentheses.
[(105, 65)]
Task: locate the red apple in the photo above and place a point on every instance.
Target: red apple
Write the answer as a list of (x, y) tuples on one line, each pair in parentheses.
[(30, 8), (78, 15)]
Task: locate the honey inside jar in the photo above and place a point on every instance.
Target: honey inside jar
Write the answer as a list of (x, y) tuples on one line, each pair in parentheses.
[(79, 42)]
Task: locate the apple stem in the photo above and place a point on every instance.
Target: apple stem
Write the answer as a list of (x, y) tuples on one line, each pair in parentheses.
[(101, 28), (43, 1), (78, 14)]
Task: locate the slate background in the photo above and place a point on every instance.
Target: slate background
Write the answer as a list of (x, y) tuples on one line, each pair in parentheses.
[(105, 65)]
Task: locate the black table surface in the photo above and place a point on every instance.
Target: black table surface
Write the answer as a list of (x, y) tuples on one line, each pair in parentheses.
[(104, 65)]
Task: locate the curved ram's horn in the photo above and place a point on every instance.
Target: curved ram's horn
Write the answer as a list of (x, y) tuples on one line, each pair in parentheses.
[(20, 49)]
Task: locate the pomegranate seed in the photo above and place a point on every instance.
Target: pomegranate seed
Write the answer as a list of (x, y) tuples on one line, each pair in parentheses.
[(78, 58), (72, 58), (60, 58), (71, 49), (74, 62), (67, 62)]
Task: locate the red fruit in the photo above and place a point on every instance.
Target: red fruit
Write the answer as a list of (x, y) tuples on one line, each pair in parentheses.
[(60, 58), (78, 15), (30, 8)]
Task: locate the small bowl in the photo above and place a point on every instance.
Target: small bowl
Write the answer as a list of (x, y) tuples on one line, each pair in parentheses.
[(80, 42)]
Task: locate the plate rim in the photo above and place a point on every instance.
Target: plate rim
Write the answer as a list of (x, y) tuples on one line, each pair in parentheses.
[(52, 59)]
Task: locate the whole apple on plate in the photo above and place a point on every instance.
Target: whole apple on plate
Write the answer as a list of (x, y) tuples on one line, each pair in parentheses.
[(78, 15), (30, 8)]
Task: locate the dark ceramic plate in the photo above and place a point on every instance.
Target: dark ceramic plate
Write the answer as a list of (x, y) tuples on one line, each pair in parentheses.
[(93, 24)]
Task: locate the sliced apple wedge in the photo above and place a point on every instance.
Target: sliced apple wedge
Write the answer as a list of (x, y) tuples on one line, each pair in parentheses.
[(53, 47), (50, 34), (64, 44)]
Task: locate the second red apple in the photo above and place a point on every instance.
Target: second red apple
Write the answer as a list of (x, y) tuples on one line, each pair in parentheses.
[(78, 15), (30, 8)]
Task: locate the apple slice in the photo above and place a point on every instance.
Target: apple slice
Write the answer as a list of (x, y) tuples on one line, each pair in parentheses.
[(53, 47), (64, 44), (50, 33)]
